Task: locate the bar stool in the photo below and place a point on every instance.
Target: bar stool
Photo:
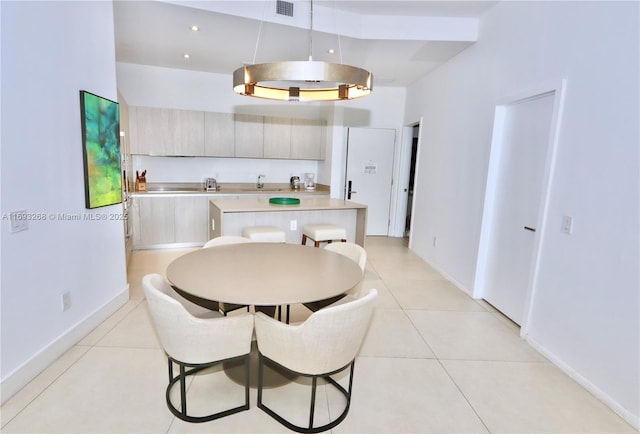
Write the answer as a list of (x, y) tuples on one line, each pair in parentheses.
[(264, 234), (322, 233)]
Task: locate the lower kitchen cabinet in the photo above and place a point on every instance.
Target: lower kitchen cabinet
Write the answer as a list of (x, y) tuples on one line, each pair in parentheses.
[(158, 221), (191, 219)]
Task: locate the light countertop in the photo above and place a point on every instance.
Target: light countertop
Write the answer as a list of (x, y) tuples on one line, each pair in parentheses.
[(261, 204), (227, 189)]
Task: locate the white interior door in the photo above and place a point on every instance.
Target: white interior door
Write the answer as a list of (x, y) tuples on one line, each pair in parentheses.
[(521, 154), (369, 174)]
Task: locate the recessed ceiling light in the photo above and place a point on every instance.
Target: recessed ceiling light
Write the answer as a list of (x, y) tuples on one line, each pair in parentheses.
[(186, 55), (331, 51), (195, 28)]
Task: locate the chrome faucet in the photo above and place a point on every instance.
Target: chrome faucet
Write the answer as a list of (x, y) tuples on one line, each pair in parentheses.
[(260, 184)]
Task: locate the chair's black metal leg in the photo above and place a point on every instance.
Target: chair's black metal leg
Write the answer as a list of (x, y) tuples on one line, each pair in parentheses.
[(183, 390), (260, 373), (170, 370), (247, 363), (313, 400)]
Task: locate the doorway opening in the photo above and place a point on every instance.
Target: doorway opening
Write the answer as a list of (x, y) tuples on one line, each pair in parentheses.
[(412, 177)]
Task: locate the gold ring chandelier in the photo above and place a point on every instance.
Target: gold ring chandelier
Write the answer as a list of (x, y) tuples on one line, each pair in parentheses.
[(303, 80)]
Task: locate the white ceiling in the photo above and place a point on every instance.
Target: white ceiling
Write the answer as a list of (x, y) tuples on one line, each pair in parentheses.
[(398, 41)]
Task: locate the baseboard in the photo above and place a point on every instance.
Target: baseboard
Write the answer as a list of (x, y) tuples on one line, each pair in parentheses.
[(450, 278), (632, 419), (628, 416), (19, 378)]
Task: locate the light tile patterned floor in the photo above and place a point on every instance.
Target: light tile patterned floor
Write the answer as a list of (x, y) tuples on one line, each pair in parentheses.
[(434, 361)]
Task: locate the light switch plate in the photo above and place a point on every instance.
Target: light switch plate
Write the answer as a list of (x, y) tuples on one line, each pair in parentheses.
[(567, 224), (19, 221)]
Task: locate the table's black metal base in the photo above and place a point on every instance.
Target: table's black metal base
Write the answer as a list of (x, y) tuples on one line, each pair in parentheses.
[(274, 375)]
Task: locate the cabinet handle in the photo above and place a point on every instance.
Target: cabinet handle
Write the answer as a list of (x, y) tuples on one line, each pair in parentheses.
[(530, 229)]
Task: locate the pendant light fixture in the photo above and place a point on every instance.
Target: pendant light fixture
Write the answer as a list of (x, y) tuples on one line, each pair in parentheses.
[(303, 80)]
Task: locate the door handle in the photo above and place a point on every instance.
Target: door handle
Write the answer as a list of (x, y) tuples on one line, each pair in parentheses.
[(349, 190), (528, 228)]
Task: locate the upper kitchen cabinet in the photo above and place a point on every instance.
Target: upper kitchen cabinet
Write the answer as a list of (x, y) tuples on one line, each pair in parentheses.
[(249, 131), (277, 137), (190, 133), (219, 134), (150, 131), (159, 131), (307, 139), (187, 132)]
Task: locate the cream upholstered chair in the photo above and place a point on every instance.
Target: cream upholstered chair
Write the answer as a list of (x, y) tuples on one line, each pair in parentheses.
[(223, 240), (352, 251), (325, 344), (323, 233), (226, 239), (194, 309), (264, 234), (196, 343)]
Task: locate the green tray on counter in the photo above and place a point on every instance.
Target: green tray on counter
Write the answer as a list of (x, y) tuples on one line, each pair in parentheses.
[(284, 200)]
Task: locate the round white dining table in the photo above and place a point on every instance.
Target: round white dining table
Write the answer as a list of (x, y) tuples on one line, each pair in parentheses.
[(264, 274)]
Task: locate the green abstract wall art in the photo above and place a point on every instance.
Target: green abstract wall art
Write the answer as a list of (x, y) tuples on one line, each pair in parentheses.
[(101, 150)]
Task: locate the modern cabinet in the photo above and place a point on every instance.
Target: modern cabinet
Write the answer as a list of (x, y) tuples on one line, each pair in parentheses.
[(156, 220), (307, 139), (187, 132), (219, 134), (277, 137), (249, 131), (159, 131), (152, 131), (191, 219), (172, 132)]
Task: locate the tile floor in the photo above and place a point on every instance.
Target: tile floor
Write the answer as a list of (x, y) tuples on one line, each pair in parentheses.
[(434, 361)]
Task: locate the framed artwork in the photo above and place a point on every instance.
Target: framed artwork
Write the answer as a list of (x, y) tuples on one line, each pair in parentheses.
[(100, 150)]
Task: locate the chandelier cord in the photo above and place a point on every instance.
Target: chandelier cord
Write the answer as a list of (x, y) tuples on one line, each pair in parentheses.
[(255, 51), (335, 29), (311, 32)]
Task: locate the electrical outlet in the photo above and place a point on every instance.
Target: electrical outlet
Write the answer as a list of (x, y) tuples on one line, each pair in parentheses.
[(293, 225), (435, 241), (66, 301)]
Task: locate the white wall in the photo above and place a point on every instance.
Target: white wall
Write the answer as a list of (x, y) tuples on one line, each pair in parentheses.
[(42, 172), (585, 308)]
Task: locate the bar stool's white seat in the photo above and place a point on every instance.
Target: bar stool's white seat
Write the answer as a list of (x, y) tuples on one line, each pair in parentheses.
[(321, 233), (264, 234)]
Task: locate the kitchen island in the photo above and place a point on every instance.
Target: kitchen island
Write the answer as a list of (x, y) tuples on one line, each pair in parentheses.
[(229, 215), (175, 215)]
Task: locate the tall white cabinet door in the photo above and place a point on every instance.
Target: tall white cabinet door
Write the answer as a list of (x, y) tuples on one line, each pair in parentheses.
[(187, 128), (249, 136), (277, 137), (219, 134), (154, 135), (307, 139)]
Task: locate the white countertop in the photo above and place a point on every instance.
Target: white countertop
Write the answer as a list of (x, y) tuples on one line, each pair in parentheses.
[(261, 204)]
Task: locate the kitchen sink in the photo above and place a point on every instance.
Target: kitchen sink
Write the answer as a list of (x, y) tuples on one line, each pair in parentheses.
[(176, 190)]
